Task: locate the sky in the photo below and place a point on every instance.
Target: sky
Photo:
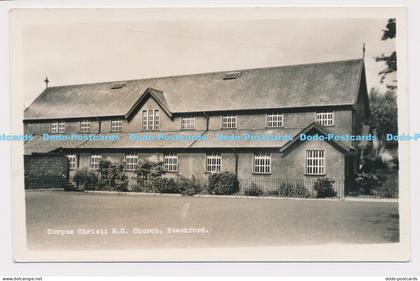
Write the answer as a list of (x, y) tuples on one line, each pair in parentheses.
[(95, 46)]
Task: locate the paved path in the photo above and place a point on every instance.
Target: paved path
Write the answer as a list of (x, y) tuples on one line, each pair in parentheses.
[(65, 220)]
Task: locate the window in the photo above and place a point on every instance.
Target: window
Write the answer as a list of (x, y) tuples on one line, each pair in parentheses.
[(57, 127), (213, 162), (94, 161), (170, 162), (262, 163), (187, 123), (85, 126), (118, 85), (274, 120), (231, 75), (54, 127), (72, 161), (151, 120), (116, 125), (229, 121), (315, 162), (325, 118), (131, 162)]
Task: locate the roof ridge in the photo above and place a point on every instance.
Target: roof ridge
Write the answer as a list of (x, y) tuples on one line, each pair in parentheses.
[(202, 73)]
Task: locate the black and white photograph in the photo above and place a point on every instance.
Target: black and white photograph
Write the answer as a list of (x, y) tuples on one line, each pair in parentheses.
[(226, 133)]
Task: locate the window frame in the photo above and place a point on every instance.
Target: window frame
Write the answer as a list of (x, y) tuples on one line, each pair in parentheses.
[(150, 122), (316, 169), (131, 167), (113, 130), (72, 164), (54, 127), (277, 115), (82, 129), (182, 123), (214, 156), (167, 157), (59, 127), (325, 114), (92, 163), (223, 116), (262, 156)]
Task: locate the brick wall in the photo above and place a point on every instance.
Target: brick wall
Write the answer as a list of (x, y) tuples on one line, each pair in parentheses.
[(45, 171)]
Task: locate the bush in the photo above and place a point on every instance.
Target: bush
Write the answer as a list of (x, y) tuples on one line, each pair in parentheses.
[(86, 179), (368, 184), (224, 183), (147, 169), (189, 187), (324, 188), (254, 190), (165, 185), (121, 182), (290, 190)]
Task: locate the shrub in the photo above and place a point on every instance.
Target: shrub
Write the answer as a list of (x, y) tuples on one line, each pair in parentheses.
[(290, 190), (189, 187), (86, 179), (224, 183), (164, 185), (121, 182), (254, 190), (368, 184), (147, 169), (324, 188)]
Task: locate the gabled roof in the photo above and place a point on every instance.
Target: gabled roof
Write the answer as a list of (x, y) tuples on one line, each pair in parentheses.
[(318, 128), (157, 95), (308, 85)]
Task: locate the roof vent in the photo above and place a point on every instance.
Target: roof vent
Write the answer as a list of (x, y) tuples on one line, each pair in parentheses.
[(116, 86), (231, 75)]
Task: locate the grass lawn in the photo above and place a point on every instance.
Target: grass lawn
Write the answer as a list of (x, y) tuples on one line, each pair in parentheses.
[(223, 222)]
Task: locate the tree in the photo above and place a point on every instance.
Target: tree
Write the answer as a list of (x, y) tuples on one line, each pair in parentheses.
[(383, 118), (390, 60)]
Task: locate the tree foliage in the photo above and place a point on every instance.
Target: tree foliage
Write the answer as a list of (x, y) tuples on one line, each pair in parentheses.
[(390, 60), (384, 117)]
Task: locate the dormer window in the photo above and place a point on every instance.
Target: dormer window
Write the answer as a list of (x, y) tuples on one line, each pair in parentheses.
[(85, 126), (116, 125), (117, 86), (231, 75), (150, 120), (57, 127), (325, 118), (229, 121), (274, 120), (188, 123)]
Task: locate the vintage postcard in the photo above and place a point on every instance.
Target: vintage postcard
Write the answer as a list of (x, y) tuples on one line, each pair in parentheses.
[(210, 134)]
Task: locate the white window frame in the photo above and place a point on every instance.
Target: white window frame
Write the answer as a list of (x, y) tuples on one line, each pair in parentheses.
[(262, 163), (170, 162), (57, 127), (213, 162), (187, 123), (85, 126), (150, 119), (315, 162), (229, 121), (325, 118), (54, 128), (274, 120), (116, 125), (131, 162), (72, 161), (94, 161)]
